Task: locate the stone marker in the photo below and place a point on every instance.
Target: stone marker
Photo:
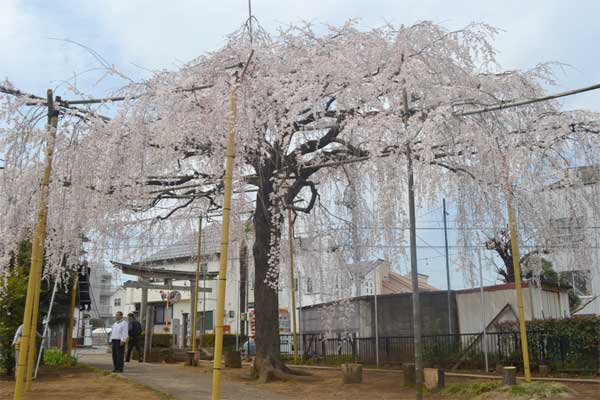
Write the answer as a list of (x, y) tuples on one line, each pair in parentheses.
[(544, 370), (233, 359), (509, 376), (352, 373), (410, 376), (434, 378)]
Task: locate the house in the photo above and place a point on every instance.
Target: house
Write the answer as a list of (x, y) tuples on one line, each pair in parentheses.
[(573, 237)]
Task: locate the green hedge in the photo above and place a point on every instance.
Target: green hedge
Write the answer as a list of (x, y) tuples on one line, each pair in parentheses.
[(159, 340), (569, 343), (208, 340)]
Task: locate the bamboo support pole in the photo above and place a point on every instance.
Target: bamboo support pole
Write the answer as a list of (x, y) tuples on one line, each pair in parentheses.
[(31, 351), (37, 252), (72, 319), (196, 288), (292, 284), (514, 241), (217, 361)]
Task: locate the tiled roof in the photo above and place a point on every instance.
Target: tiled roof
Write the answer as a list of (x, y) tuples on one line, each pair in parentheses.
[(187, 247)]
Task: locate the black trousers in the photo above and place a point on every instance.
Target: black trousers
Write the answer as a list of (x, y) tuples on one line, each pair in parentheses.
[(134, 341), (117, 355)]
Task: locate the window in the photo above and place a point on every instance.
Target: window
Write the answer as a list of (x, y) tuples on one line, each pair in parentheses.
[(104, 300), (231, 314), (203, 268), (580, 280), (309, 285), (567, 232), (206, 323), (159, 314), (117, 302)]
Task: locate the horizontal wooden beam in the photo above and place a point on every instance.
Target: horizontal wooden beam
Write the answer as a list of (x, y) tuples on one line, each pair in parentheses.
[(140, 285)]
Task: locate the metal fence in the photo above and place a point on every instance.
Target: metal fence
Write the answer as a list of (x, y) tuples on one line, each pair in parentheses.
[(465, 351)]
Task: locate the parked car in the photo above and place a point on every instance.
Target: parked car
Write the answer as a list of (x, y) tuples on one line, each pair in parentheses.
[(249, 349)]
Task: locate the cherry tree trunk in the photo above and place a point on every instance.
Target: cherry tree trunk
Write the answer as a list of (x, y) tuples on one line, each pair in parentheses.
[(267, 363)]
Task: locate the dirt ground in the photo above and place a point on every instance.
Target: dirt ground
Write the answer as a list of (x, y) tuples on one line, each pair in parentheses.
[(327, 385), (58, 383), (63, 383)]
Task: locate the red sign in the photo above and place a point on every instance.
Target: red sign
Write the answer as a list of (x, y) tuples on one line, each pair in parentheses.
[(226, 329)]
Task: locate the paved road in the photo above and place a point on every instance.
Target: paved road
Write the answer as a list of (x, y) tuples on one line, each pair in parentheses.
[(181, 383)]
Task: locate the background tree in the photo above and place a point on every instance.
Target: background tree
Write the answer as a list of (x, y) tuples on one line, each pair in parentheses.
[(12, 303)]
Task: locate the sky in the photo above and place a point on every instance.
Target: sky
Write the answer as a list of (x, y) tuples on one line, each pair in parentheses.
[(141, 36)]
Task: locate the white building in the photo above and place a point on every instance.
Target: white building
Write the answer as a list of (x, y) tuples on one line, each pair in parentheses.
[(574, 236), (180, 260)]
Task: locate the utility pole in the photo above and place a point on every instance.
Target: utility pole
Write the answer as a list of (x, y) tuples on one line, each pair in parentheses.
[(194, 296), (483, 322), (447, 268), (292, 283), (37, 252), (416, 304), (514, 241)]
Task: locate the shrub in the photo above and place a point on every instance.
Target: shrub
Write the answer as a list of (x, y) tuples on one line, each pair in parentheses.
[(57, 357), (208, 340), (538, 389), (471, 389), (570, 342), (159, 339)]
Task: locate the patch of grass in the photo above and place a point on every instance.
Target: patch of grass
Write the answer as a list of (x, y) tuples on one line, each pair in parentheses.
[(472, 388), (538, 390), (57, 357)]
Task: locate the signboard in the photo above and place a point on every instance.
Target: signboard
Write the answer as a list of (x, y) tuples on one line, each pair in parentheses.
[(252, 317), (284, 321)]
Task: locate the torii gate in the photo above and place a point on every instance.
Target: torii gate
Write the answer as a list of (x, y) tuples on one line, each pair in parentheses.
[(167, 276)]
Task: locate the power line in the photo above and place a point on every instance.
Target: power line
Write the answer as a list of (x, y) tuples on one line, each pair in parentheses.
[(517, 103)]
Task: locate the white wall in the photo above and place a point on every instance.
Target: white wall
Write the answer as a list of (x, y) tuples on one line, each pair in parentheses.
[(538, 304)]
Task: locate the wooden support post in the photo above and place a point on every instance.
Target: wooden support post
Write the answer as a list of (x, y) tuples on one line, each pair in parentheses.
[(72, 319), (194, 296), (292, 284), (144, 304), (148, 331)]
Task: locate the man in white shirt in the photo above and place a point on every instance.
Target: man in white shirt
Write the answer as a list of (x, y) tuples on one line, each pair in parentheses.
[(118, 339)]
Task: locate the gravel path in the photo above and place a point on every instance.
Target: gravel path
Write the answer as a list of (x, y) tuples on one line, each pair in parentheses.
[(181, 383)]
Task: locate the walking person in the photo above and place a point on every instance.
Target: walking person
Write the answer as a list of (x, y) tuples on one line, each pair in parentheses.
[(135, 330), (118, 338)]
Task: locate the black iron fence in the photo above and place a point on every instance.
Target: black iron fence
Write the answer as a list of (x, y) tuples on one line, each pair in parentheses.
[(465, 351)]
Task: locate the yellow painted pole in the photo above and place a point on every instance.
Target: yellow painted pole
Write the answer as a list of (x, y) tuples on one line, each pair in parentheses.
[(514, 241), (216, 378), (72, 319), (37, 251), (196, 285), (292, 284), (31, 352)]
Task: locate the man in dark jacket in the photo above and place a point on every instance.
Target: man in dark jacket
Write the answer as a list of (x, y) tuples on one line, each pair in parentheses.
[(135, 330)]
